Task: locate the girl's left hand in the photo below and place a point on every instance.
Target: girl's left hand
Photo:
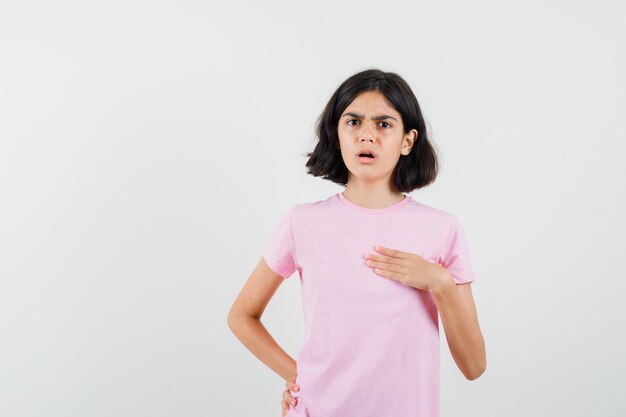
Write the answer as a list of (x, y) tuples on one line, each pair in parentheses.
[(408, 268)]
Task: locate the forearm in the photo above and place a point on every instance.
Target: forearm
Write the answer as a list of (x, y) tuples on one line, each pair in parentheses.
[(463, 334), (255, 337)]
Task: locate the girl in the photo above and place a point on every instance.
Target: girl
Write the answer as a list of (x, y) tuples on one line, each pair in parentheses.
[(376, 268)]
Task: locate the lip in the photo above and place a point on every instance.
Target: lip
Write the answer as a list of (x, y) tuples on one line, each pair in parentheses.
[(366, 150), (366, 160)]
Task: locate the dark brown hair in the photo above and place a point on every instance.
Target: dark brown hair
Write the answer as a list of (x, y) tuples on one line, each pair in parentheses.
[(413, 171)]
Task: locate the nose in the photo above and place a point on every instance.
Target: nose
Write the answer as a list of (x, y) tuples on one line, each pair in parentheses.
[(366, 133)]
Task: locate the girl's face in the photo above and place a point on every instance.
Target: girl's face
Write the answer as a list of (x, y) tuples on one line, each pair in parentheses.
[(371, 124)]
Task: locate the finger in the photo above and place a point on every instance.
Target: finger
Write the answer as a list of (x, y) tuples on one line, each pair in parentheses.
[(386, 266), (393, 253), (381, 262), (285, 408), (287, 396), (289, 400), (396, 276), (292, 386)]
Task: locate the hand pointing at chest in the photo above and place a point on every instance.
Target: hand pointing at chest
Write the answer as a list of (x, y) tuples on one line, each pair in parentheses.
[(408, 268)]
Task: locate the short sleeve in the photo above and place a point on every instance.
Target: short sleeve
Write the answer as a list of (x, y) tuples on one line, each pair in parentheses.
[(456, 258), (279, 251)]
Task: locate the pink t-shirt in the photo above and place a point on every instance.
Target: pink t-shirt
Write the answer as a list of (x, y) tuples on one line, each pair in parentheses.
[(371, 346)]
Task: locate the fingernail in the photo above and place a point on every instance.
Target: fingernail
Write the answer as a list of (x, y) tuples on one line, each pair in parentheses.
[(297, 388), (293, 402)]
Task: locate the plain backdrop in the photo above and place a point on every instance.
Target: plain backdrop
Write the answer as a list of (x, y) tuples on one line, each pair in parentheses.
[(148, 149)]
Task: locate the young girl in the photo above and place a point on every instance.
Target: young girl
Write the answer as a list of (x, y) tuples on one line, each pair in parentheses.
[(376, 268)]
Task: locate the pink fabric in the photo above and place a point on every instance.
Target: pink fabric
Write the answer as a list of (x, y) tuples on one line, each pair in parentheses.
[(371, 346)]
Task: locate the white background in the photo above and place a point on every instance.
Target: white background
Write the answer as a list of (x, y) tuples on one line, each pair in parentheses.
[(148, 149)]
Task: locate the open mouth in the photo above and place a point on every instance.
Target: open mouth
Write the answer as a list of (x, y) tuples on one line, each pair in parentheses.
[(366, 157)]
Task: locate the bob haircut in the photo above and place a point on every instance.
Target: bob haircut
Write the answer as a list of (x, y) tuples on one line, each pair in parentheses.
[(413, 171)]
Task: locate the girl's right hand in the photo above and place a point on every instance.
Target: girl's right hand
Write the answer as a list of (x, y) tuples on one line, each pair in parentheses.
[(287, 398)]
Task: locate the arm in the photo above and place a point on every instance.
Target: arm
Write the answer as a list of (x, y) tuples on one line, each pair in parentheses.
[(244, 320), (454, 302), (458, 315)]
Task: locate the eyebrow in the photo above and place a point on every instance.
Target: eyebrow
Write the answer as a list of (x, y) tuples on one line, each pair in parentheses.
[(360, 116)]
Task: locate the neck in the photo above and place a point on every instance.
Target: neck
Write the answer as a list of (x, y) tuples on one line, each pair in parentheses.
[(372, 197)]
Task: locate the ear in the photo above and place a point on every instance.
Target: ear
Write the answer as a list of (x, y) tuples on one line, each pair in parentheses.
[(409, 140)]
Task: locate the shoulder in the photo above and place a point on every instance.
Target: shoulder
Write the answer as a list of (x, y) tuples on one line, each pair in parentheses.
[(306, 208), (435, 214)]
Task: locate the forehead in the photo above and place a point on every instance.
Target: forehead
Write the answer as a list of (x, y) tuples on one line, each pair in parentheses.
[(370, 102)]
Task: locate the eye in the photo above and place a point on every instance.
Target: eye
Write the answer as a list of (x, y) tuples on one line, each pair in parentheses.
[(385, 124)]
